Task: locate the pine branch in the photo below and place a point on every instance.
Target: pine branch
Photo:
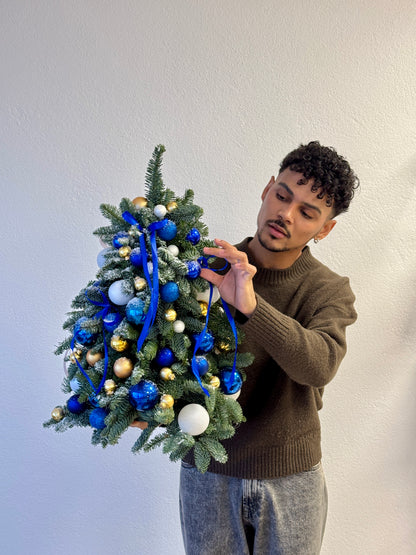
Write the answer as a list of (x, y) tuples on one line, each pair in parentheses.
[(153, 181)]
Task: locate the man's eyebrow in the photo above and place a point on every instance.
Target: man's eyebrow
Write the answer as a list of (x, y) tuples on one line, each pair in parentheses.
[(290, 192)]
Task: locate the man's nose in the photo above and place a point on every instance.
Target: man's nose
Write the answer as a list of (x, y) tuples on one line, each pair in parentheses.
[(287, 212)]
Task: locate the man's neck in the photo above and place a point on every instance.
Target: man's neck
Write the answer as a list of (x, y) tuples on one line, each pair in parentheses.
[(271, 260)]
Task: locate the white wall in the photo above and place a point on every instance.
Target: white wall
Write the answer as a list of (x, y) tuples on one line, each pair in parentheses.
[(88, 88)]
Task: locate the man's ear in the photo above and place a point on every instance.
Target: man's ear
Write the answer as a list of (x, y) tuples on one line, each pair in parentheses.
[(266, 189), (327, 227)]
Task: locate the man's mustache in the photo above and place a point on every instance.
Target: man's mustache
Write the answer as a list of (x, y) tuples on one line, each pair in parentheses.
[(281, 224)]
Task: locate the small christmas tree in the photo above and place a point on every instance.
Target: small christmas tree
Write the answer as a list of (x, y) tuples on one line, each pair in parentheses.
[(148, 341)]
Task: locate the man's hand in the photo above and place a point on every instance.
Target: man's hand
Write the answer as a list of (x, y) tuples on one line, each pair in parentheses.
[(236, 286)]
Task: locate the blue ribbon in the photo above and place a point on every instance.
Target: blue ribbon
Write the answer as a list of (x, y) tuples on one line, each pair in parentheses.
[(203, 261), (153, 284), (101, 314)]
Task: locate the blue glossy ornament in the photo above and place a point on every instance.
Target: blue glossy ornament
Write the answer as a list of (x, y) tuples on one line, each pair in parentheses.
[(207, 343), (202, 365), (136, 257), (169, 292), (97, 418), (121, 239), (194, 269), (111, 321), (82, 335), (231, 381), (135, 311), (144, 395), (165, 357), (193, 236), (168, 231), (75, 406)]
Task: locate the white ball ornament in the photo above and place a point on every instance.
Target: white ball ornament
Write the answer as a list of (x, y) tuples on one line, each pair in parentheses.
[(116, 293), (204, 295), (193, 419), (173, 249), (178, 326), (150, 267), (101, 259), (160, 211)]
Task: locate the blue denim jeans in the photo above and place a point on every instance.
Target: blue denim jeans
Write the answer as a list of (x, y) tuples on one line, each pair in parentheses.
[(221, 515)]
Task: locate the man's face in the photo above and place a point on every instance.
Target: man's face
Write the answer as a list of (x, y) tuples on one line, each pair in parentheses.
[(291, 214)]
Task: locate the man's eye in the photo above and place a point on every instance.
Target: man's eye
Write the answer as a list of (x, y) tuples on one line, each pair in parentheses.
[(280, 197), (306, 215)]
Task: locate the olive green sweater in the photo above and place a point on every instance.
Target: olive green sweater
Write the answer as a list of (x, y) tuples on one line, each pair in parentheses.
[(297, 335)]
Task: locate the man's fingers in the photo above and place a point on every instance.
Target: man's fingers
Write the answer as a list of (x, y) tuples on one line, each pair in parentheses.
[(211, 276)]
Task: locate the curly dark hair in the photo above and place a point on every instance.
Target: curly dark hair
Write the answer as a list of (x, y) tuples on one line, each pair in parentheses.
[(334, 178)]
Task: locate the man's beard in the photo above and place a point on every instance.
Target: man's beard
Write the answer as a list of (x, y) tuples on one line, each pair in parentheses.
[(270, 248)]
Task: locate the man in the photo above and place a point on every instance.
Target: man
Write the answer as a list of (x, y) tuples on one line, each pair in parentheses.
[(270, 497)]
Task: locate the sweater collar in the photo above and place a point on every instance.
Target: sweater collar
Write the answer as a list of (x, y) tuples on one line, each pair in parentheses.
[(302, 265)]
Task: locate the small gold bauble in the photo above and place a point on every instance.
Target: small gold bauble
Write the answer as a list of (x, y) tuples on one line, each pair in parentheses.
[(123, 367), (57, 414), (73, 357), (166, 401), (214, 381), (139, 283), (224, 346), (109, 386), (124, 251), (92, 358), (170, 315), (167, 374), (204, 307), (119, 343), (172, 205), (139, 202)]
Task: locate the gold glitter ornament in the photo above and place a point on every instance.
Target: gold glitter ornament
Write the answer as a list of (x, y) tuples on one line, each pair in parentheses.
[(172, 205), (57, 414), (124, 252), (119, 343), (224, 346), (92, 358), (110, 387), (139, 283), (170, 315), (74, 356), (204, 307), (123, 367), (167, 374), (214, 381), (139, 202), (166, 401)]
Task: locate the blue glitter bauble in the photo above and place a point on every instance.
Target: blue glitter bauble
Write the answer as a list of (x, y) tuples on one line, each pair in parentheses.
[(111, 321), (97, 418), (168, 231), (75, 406), (201, 365), (144, 395), (193, 236), (194, 269), (82, 335), (136, 257), (231, 381), (135, 311), (169, 292), (165, 357), (120, 239), (207, 344)]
